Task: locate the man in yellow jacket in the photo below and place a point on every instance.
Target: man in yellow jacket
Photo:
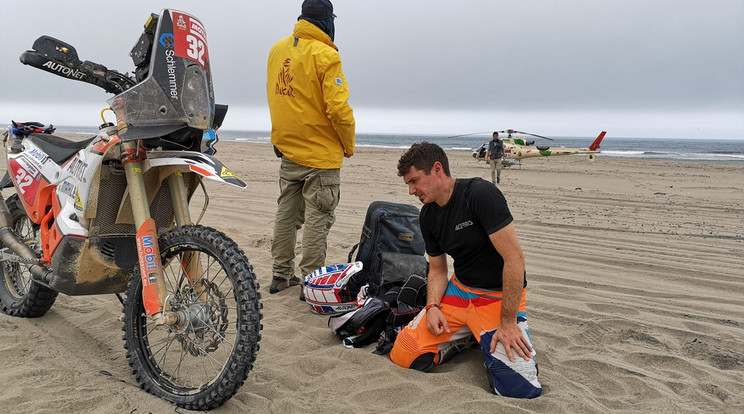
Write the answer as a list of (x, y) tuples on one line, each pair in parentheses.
[(312, 130)]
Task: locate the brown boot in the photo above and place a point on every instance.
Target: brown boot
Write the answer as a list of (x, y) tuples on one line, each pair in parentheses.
[(279, 283)]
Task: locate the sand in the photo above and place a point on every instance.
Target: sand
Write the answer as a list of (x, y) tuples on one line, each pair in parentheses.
[(636, 278)]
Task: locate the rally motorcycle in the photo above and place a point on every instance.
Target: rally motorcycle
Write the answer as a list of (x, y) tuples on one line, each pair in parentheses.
[(110, 215)]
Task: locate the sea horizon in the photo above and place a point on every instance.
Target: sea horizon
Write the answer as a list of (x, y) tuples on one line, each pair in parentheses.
[(704, 149)]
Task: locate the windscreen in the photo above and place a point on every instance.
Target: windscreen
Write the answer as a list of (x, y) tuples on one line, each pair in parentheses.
[(177, 91)]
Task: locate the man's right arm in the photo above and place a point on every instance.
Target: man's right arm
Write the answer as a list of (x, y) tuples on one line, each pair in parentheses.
[(436, 285)]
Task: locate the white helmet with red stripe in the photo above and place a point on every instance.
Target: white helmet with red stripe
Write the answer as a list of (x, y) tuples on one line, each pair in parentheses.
[(325, 289)]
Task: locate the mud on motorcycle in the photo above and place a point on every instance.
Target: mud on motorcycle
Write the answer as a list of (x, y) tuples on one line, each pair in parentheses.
[(110, 214)]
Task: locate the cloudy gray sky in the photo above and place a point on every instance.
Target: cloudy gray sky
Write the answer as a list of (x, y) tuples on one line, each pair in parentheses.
[(636, 68)]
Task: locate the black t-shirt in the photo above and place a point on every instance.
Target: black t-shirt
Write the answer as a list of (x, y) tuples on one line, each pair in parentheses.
[(461, 229)]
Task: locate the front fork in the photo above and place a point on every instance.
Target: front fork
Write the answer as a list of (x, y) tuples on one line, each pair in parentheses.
[(154, 289)]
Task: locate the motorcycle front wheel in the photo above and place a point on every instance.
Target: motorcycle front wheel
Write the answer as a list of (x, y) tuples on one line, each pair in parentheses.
[(200, 363)]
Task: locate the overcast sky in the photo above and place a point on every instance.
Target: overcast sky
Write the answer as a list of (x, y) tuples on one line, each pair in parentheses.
[(636, 68)]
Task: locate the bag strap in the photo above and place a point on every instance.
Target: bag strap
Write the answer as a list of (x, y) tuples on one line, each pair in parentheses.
[(351, 253)]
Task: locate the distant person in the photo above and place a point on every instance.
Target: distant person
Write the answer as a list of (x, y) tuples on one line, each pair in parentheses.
[(493, 157), (469, 220), (312, 130)]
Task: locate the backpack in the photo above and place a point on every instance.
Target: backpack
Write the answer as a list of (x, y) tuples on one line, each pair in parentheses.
[(388, 227)]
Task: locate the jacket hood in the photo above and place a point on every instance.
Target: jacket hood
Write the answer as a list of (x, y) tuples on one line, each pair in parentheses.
[(306, 30)]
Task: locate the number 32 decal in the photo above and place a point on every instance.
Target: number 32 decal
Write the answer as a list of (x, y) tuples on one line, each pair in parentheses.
[(196, 48), (23, 179), (26, 183)]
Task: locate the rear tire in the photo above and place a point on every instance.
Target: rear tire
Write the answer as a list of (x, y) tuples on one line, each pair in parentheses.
[(202, 363), (20, 295)]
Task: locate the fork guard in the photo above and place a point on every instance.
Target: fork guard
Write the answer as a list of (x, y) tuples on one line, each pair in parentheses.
[(204, 165)]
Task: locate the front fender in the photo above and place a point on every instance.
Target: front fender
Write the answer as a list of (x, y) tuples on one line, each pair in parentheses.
[(205, 165)]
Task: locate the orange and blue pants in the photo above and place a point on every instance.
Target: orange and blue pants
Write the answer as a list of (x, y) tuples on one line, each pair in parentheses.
[(477, 312)]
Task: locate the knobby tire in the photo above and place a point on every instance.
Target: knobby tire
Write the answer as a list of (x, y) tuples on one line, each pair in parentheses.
[(201, 365)]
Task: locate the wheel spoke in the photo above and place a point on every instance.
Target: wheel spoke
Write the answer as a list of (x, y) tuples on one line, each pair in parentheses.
[(166, 346), (201, 330)]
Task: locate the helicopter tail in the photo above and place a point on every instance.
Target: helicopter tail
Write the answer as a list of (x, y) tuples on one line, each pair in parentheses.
[(595, 144)]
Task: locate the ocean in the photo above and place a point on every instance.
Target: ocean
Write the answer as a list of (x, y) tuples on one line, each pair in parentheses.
[(645, 148), (703, 149)]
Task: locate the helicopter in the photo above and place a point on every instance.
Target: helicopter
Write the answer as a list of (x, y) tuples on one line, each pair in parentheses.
[(516, 148)]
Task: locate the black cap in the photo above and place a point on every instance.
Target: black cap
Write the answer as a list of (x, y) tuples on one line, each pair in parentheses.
[(317, 9)]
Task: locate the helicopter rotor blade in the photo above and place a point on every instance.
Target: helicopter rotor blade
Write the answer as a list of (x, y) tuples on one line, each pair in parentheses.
[(472, 133), (534, 135), (506, 131)]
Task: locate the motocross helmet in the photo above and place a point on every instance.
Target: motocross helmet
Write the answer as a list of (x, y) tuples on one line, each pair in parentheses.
[(325, 289)]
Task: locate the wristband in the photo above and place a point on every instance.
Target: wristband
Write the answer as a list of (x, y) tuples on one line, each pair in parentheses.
[(433, 305)]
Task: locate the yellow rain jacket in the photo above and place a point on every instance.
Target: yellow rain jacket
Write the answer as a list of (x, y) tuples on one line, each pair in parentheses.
[(312, 123)]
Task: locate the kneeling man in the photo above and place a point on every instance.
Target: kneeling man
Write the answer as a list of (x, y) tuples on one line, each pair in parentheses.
[(469, 220)]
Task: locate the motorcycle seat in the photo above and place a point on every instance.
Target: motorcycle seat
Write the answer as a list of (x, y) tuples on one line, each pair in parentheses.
[(57, 148)]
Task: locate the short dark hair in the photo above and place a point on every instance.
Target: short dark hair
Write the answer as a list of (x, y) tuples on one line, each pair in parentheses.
[(495, 134), (422, 156)]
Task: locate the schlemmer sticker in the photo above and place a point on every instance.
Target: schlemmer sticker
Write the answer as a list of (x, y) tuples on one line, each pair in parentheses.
[(191, 39)]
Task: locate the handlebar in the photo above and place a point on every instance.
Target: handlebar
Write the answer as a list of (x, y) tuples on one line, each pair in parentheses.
[(169, 95), (57, 57)]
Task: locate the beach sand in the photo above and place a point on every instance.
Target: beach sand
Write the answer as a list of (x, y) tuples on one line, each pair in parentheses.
[(635, 284)]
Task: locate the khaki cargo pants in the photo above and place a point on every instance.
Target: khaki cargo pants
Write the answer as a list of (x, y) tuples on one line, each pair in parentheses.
[(495, 170), (308, 196)]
